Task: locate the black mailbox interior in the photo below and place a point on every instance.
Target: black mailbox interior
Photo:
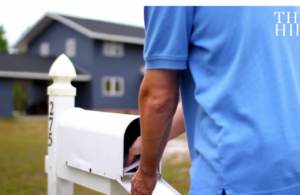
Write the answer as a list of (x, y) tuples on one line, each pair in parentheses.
[(132, 132)]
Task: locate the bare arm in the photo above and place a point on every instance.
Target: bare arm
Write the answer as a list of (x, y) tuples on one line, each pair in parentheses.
[(157, 100)]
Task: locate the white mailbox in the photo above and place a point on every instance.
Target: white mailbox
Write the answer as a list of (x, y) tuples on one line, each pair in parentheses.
[(97, 142), (87, 147)]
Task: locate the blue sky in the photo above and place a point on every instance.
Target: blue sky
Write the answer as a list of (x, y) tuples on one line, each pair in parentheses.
[(19, 15)]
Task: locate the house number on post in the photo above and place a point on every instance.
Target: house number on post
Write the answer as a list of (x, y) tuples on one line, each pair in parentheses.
[(51, 122)]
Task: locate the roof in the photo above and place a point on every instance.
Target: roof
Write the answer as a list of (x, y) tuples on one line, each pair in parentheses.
[(109, 28), (93, 29), (32, 67)]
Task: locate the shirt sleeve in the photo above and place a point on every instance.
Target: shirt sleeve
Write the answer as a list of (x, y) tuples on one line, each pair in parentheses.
[(168, 31)]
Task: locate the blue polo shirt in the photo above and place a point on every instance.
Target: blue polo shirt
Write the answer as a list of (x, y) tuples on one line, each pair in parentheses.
[(240, 88)]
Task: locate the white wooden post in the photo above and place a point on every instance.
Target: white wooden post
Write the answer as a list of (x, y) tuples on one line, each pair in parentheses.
[(61, 97)]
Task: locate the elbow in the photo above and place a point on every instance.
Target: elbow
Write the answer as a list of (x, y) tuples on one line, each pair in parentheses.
[(163, 104), (160, 102)]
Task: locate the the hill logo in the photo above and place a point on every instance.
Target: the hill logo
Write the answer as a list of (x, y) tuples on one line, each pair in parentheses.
[(287, 24)]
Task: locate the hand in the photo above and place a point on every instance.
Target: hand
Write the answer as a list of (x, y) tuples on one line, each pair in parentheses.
[(134, 150), (143, 183)]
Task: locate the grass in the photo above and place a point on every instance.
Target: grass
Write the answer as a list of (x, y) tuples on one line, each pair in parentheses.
[(23, 146)]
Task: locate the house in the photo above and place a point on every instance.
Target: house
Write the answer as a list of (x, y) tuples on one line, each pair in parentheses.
[(31, 74), (108, 58)]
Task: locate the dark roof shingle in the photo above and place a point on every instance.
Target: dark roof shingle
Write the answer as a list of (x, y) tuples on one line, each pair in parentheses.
[(108, 28), (28, 63)]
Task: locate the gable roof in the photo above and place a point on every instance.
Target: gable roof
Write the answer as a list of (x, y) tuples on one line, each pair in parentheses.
[(32, 67), (109, 28), (93, 29)]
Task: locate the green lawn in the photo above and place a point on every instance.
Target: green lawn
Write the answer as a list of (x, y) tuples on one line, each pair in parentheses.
[(23, 146)]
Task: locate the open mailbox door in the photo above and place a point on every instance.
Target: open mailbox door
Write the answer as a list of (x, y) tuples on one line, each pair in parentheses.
[(161, 188)]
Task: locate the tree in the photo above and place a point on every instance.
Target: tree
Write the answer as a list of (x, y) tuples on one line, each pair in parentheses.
[(3, 41)]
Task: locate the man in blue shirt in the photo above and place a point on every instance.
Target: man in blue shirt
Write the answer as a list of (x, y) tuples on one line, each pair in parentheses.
[(238, 69)]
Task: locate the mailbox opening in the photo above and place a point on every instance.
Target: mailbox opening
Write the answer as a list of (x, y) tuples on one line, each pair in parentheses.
[(132, 132)]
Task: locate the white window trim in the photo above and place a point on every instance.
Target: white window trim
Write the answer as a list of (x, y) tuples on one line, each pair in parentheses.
[(110, 49), (70, 47), (113, 92), (44, 49)]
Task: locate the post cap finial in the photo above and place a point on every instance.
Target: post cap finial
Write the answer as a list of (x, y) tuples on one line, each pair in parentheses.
[(62, 72)]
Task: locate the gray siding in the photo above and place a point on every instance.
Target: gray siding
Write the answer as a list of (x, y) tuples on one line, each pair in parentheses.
[(89, 56), (6, 97), (127, 67), (56, 34), (81, 99)]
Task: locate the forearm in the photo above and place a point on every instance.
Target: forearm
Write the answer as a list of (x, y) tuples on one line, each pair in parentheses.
[(157, 109)]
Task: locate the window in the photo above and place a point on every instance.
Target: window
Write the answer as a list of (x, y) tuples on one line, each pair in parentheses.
[(44, 49), (113, 49), (112, 86), (70, 47)]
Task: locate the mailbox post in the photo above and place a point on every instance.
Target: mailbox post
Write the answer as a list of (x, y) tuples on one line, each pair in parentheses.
[(61, 97)]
